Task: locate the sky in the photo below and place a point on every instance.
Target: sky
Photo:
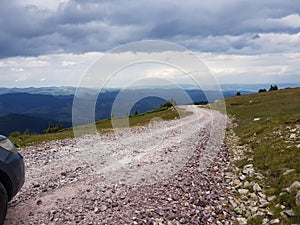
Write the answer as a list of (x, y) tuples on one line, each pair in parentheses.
[(55, 43)]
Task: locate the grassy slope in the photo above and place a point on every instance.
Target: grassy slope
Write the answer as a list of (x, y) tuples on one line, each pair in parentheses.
[(273, 149), (103, 126)]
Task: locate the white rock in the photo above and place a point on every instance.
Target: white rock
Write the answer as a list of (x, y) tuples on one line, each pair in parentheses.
[(248, 169), (256, 187), (253, 209), (298, 145), (293, 136), (242, 177), (295, 185), (274, 221), (289, 213), (242, 221), (289, 171), (256, 119), (298, 198), (243, 191), (265, 221)]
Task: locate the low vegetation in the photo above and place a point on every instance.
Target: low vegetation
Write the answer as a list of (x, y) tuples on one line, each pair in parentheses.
[(269, 123), (165, 112)]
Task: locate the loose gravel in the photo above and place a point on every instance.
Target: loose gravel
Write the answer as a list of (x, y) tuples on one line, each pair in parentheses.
[(171, 172)]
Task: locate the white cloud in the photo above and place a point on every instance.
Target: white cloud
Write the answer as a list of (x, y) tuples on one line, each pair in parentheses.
[(276, 67), (68, 63), (69, 69)]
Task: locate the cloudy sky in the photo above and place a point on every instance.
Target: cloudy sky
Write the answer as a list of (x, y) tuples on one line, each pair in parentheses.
[(54, 43)]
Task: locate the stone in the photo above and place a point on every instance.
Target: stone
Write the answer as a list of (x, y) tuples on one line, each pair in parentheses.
[(293, 136), (242, 177), (253, 195), (265, 221), (236, 182), (241, 220), (298, 198), (298, 146), (103, 208), (263, 202), (36, 185), (271, 198), (289, 213), (295, 185), (274, 221), (253, 209), (248, 169), (256, 187), (243, 191), (256, 119), (233, 203), (39, 202), (289, 171), (262, 195), (259, 214)]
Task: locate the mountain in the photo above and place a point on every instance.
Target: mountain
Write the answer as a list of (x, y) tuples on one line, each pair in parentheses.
[(49, 107), (42, 108), (16, 122)]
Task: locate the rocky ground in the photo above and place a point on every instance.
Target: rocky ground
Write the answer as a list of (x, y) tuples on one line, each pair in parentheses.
[(178, 172), (249, 201)]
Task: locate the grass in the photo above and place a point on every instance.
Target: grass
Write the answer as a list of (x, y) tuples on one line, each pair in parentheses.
[(103, 126), (272, 149)]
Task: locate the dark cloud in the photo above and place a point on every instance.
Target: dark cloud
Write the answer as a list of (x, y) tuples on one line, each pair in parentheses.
[(89, 25)]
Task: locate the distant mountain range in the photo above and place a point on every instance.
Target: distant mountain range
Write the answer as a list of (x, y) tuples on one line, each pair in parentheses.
[(18, 122), (34, 108)]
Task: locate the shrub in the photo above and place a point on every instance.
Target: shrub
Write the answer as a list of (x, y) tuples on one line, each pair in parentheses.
[(15, 134), (273, 88), (262, 90)]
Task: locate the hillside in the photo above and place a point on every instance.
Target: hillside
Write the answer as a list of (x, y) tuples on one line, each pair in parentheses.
[(17, 122), (268, 124), (103, 126), (38, 102)]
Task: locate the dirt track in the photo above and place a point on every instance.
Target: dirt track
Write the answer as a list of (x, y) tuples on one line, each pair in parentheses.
[(170, 172)]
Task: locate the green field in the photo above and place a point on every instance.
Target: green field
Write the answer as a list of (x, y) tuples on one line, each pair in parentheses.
[(273, 140), (103, 126)]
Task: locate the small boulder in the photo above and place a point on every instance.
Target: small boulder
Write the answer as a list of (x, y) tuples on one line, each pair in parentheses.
[(243, 191), (256, 187), (275, 221), (295, 185), (248, 169), (289, 213)]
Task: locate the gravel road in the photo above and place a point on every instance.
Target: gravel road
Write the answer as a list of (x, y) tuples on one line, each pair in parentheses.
[(171, 172)]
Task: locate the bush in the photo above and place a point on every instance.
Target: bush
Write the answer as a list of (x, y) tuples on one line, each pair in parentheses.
[(262, 90), (15, 134), (52, 129), (273, 88), (168, 104), (238, 93), (26, 132)]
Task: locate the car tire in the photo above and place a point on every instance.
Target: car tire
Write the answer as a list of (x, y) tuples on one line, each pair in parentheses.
[(3, 203)]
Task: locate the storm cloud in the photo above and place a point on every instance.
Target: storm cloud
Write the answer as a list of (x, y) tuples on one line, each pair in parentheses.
[(74, 26)]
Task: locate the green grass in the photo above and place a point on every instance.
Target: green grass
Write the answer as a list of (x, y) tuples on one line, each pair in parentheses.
[(273, 151), (103, 126)]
